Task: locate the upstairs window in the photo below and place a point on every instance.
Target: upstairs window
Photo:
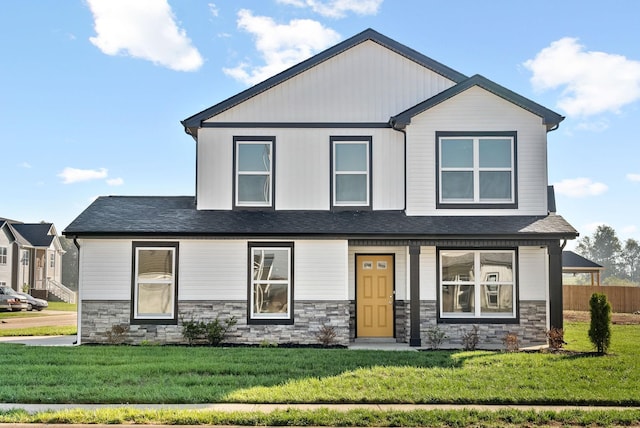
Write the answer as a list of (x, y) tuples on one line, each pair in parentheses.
[(477, 170), (254, 171), (52, 260), (3, 255), (351, 161)]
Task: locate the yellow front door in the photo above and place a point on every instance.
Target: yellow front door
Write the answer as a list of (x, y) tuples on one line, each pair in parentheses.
[(374, 296)]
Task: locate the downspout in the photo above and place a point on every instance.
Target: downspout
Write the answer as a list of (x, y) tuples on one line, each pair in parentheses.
[(78, 299)]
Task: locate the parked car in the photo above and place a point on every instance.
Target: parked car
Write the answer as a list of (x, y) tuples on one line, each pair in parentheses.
[(10, 296), (33, 302)]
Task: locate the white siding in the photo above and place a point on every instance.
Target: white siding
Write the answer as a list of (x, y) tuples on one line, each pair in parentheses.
[(367, 83), (428, 274), (477, 110), (5, 269), (320, 270), (534, 273), (105, 269), (302, 166), (213, 270), (401, 278)]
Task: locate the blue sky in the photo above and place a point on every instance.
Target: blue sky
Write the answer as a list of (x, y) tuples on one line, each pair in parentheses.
[(92, 92)]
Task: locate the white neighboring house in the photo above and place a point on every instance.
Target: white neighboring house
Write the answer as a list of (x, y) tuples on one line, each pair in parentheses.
[(31, 259), (368, 189)]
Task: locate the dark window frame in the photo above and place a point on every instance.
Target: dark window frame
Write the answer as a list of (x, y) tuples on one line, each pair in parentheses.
[(479, 319), (478, 205), (345, 139), (270, 321), (150, 244), (248, 139)]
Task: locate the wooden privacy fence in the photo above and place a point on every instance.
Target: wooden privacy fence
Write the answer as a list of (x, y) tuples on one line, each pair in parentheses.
[(622, 299)]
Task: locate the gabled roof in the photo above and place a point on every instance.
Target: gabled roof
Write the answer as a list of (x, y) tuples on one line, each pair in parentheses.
[(192, 123), (177, 216), (34, 234), (549, 117), (571, 260)]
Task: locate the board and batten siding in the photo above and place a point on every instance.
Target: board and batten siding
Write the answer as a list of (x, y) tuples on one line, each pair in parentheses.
[(302, 166), (476, 110), (214, 269), (366, 83), (401, 266)]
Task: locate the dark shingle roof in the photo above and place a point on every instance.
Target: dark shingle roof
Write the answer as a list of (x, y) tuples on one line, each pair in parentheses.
[(549, 117), (573, 260), (192, 123), (178, 216), (36, 234)]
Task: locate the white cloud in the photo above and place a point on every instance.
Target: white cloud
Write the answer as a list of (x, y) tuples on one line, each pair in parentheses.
[(25, 165), (592, 82), (629, 230), (593, 125), (337, 8), (633, 177), (213, 9), (74, 175), (115, 181), (280, 46), (143, 29), (592, 227), (579, 187)]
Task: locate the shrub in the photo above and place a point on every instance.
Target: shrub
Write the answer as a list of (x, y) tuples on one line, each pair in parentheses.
[(435, 337), (470, 339), (600, 328), (327, 335), (216, 331), (555, 336), (117, 334), (511, 342), (193, 331)]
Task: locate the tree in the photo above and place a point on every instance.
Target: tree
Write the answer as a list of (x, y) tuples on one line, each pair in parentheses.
[(631, 260), (603, 248), (600, 328)]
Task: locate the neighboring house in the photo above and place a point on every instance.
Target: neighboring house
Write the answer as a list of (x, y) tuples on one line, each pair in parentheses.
[(368, 189), (31, 258), (575, 265)]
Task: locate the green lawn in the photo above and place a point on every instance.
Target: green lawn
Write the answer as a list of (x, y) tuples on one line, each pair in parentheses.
[(175, 374)]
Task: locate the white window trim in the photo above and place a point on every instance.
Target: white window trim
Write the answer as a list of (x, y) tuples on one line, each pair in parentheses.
[(171, 282), (367, 172), (477, 283), (268, 173), (253, 282), (476, 170), (3, 255)]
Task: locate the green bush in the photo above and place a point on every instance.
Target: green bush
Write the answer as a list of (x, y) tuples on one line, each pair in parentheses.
[(600, 328), (213, 332)]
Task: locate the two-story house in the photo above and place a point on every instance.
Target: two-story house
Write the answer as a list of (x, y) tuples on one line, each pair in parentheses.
[(368, 189), (30, 257)]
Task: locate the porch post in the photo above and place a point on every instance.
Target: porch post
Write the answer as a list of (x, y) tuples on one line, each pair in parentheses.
[(555, 285), (414, 286)]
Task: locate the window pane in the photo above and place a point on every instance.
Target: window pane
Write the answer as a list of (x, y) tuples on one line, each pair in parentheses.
[(496, 267), (456, 153), (457, 267), (351, 188), (155, 300), (254, 188), (495, 153), (270, 264), (495, 185), (271, 299), (254, 157), (457, 185), (496, 298), (155, 264), (351, 157), (458, 298)]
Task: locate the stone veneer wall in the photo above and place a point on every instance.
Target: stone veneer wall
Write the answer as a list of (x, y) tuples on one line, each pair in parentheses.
[(531, 330), (99, 318)]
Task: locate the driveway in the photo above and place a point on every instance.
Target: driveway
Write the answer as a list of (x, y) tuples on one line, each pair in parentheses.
[(46, 318)]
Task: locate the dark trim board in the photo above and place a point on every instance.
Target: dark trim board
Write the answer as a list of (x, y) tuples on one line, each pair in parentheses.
[(300, 125)]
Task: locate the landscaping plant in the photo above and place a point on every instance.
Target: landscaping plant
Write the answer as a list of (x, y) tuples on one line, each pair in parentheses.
[(600, 328)]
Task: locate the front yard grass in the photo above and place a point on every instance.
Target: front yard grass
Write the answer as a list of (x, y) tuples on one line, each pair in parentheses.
[(177, 374)]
